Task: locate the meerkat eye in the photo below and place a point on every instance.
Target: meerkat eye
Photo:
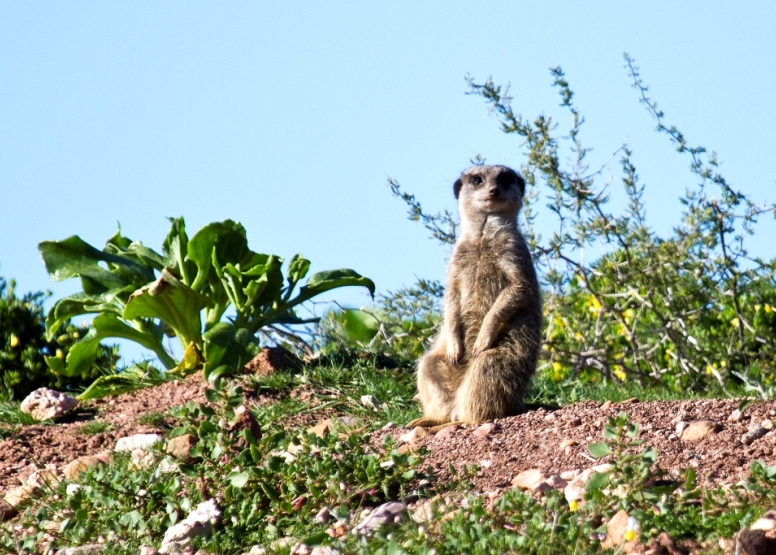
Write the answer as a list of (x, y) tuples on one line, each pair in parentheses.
[(477, 180)]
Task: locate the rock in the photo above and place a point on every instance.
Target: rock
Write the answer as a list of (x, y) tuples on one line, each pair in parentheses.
[(617, 530), (486, 429), (75, 468), (141, 458), (147, 550), (575, 421), (324, 550), (179, 446), (576, 488), (527, 479), (321, 429), (556, 482), (567, 443), (372, 402), (244, 420), (606, 405), (569, 475), (446, 432), (755, 432), (414, 435), (90, 549), (47, 404), (199, 522), (42, 477), (324, 516), (392, 512), (16, 497), (699, 429), (767, 424), (735, 416), (138, 441), (271, 360), (301, 549), (7, 511)]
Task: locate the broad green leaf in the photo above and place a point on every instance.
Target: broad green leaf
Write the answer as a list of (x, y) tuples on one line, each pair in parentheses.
[(226, 350), (74, 257), (297, 270), (175, 248), (599, 450), (332, 279), (173, 302), (225, 240), (597, 481), (79, 304), (83, 353), (239, 479), (359, 326)]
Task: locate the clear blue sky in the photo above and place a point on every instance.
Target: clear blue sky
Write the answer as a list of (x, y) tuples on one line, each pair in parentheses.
[(289, 116)]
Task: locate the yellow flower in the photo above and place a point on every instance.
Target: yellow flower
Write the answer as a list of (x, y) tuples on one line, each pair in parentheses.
[(60, 353), (618, 371), (573, 505), (14, 340), (734, 322), (629, 535), (768, 308)]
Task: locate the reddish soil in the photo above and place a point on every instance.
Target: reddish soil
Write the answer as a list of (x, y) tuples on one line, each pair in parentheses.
[(530, 440)]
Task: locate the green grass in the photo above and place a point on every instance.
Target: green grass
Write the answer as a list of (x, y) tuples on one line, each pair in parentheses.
[(156, 419), (95, 427), (10, 413), (267, 496)]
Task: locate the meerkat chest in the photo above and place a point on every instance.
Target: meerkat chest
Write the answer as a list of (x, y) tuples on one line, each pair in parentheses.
[(480, 271)]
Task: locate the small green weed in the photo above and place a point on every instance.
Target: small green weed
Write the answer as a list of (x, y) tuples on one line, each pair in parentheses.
[(95, 427)]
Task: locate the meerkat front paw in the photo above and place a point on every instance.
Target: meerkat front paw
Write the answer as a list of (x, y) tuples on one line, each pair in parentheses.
[(454, 350), (483, 343)]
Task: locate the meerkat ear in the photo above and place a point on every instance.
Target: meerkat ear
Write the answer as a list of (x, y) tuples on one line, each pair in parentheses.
[(520, 183), (457, 187)]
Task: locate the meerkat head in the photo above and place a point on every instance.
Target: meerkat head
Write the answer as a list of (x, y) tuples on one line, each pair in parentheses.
[(494, 190)]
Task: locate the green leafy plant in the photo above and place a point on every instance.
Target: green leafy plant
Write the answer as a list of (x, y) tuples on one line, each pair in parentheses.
[(141, 295)]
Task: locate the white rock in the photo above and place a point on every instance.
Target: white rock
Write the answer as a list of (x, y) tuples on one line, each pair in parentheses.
[(576, 488), (142, 459), (199, 522), (138, 441), (72, 489), (556, 482), (387, 513), (569, 475), (414, 435), (371, 402), (47, 404), (528, 479), (324, 516)]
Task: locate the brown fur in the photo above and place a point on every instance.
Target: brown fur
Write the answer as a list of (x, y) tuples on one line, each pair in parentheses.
[(480, 364)]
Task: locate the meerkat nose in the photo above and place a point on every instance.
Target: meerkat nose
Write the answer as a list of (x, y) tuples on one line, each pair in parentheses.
[(493, 191)]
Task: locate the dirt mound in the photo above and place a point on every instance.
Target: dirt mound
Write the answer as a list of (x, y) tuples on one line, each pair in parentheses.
[(556, 441), (551, 441)]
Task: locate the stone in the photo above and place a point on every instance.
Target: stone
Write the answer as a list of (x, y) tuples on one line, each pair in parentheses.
[(15, 497), (767, 424), (556, 482), (392, 512), (576, 488), (7, 511), (199, 522), (321, 429), (699, 429), (485, 430), (606, 405), (137, 441), (372, 402), (567, 443), (735, 416), (446, 432), (414, 435), (42, 477), (301, 549), (324, 516), (569, 475), (527, 479), (179, 446), (616, 530), (141, 458), (90, 549), (755, 432), (147, 550), (47, 404), (75, 468), (324, 550)]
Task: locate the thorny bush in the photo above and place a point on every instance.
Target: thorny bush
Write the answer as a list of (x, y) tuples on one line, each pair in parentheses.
[(681, 311)]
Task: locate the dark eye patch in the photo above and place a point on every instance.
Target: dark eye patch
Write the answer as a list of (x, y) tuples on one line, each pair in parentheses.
[(505, 181)]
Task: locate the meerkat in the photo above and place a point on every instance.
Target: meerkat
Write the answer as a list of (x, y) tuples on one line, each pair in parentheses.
[(480, 364)]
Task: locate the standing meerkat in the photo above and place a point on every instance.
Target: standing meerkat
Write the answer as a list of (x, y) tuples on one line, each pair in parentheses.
[(481, 362)]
